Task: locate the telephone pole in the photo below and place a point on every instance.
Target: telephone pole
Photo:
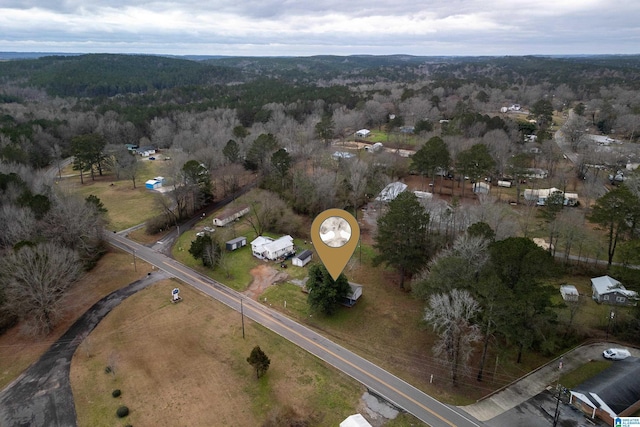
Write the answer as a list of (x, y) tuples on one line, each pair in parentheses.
[(556, 415), (242, 315)]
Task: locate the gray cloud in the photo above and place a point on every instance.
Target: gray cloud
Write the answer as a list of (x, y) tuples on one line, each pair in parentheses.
[(286, 27)]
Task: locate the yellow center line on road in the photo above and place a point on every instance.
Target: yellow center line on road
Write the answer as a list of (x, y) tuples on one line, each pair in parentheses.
[(314, 343)]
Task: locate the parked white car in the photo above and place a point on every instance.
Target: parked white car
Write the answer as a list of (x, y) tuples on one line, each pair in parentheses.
[(616, 353)]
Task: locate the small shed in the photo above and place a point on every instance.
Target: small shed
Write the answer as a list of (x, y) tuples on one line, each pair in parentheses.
[(481, 188), (303, 258), (236, 243), (569, 293), (153, 184), (353, 296), (363, 133), (356, 420)]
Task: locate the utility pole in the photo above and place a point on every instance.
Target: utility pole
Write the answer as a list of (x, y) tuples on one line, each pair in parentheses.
[(612, 314), (134, 261), (556, 415), (242, 315)]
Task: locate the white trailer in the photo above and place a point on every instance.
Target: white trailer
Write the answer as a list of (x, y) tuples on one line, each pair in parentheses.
[(228, 215)]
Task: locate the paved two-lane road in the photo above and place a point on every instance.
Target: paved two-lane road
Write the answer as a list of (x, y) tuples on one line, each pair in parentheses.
[(397, 391)]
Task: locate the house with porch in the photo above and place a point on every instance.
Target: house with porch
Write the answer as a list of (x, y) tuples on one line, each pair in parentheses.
[(608, 290)]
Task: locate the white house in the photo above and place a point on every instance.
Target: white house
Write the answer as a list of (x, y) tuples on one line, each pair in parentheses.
[(363, 133), (267, 248), (258, 244), (303, 258), (230, 214), (608, 290)]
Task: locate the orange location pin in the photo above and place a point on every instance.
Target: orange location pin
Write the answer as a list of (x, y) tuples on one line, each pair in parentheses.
[(335, 234)]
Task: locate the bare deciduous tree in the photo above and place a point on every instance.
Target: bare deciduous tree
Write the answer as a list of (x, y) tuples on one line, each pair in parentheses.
[(75, 224), (36, 278), (358, 182), (451, 316)]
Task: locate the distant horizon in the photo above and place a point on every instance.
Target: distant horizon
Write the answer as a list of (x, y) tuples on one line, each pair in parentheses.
[(36, 54)]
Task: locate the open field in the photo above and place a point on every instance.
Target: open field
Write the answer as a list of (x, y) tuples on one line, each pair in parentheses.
[(126, 206), (185, 364)]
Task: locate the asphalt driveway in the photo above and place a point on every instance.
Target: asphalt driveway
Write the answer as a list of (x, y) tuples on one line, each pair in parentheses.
[(515, 404), (42, 396)]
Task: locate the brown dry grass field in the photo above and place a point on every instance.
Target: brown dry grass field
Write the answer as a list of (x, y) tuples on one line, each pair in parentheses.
[(185, 364), (18, 350)]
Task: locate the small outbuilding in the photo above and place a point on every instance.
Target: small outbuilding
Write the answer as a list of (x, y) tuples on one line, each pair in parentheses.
[(363, 133), (153, 184), (356, 420), (303, 258), (236, 243), (569, 293), (353, 296), (481, 188)]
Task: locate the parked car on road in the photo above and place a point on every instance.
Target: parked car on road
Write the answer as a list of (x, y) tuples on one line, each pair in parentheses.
[(616, 353)]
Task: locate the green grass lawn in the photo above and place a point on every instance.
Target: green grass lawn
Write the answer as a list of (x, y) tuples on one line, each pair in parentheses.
[(583, 373), (238, 263)]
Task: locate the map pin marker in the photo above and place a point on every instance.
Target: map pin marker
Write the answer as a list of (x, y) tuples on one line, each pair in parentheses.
[(335, 234)]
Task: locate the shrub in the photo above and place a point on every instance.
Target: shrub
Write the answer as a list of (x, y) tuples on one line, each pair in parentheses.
[(116, 393), (122, 412), (107, 370)]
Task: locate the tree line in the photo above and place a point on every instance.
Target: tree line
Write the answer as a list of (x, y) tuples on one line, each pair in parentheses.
[(49, 240)]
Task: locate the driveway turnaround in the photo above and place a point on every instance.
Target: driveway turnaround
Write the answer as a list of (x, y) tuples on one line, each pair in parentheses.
[(41, 396), (535, 383)]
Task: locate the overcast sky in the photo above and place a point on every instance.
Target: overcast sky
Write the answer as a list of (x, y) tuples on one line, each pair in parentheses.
[(313, 27)]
